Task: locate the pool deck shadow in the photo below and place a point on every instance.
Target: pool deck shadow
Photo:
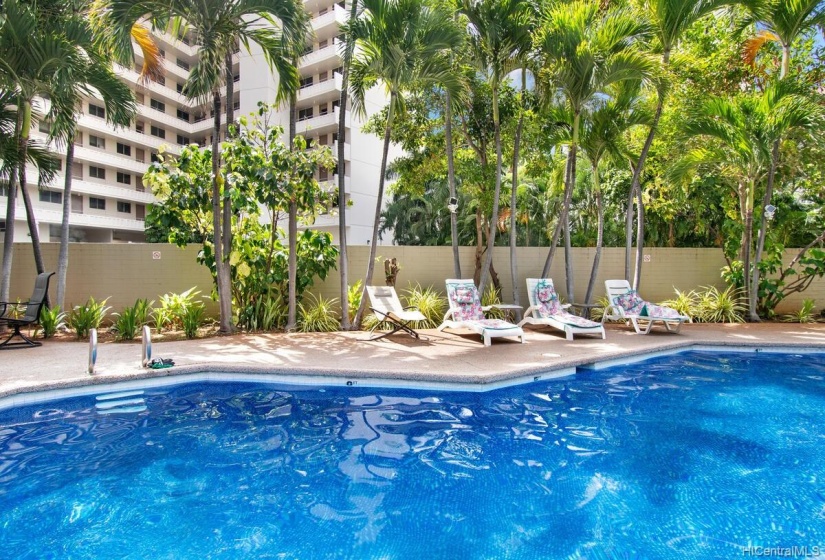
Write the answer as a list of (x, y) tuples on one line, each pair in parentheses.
[(454, 357)]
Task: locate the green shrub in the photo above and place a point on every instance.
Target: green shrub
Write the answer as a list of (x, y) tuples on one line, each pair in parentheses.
[(51, 320), (686, 303), (596, 313), (143, 309), (430, 302), (192, 318), (89, 316), (354, 294), (173, 307), (318, 315), (162, 318), (804, 315), (265, 314), (126, 324), (491, 297)]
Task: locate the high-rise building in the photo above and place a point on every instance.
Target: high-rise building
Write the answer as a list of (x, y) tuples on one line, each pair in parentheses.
[(109, 200)]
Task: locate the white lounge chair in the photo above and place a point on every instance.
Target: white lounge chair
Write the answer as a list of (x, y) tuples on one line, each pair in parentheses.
[(466, 313), (386, 306), (546, 309), (626, 305)]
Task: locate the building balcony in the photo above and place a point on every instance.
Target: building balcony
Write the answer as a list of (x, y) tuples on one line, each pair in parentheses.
[(95, 124), (170, 121), (102, 157), (48, 216), (170, 94), (105, 190), (320, 124), (322, 91), (327, 57), (327, 25)]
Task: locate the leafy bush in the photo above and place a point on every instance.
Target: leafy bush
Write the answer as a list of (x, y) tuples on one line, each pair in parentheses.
[(192, 319), (265, 313), (708, 304), (318, 315), (596, 313), (430, 302), (143, 309), (491, 297), (175, 305), (51, 320), (354, 294), (126, 324), (804, 315), (89, 316), (162, 317), (686, 303)]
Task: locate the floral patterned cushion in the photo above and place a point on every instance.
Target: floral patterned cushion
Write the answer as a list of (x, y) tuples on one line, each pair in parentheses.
[(630, 302), (465, 302), (659, 312), (495, 324), (547, 300), (576, 321)]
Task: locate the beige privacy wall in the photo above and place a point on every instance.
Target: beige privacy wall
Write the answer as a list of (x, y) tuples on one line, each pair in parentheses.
[(124, 272)]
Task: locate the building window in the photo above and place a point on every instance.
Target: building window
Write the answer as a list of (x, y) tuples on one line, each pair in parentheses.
[(183, 115), (157, 131), (139, 126), (153, 157), (125, 207), (162, 53), (157, 105), (306, 82), (305, 114), (60, 165), (97, 111), (2, 226), (183, 140), (161, 80), (97, 172), (97, 203), (55, 197), (97, 142), (182, 64), (124, 178), (4, 190), (44, 126), (77, 170), (124, 149), (180, 88)]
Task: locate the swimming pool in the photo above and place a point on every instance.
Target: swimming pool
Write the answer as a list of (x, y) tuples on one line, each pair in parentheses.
[(697, 455)]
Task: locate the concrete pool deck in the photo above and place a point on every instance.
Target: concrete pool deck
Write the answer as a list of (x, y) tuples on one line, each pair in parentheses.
[(455, 357)]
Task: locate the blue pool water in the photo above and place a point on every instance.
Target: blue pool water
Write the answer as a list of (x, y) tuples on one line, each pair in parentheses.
[(692, 456)]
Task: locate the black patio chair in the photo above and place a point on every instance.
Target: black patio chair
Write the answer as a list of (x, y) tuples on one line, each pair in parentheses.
[(31, 315)]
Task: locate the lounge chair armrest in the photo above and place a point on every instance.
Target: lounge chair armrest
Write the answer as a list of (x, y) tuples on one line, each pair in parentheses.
[(530, 311), (410, 307)]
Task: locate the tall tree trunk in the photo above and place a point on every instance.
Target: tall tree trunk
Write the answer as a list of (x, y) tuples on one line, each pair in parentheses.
[(63, 254), (479, 253), (8, 238), (568, 250), (23, 146), (379, 203), (636, 186), (514, 199), (226, 228), (554, 242), (222, 275), (292, 227), (448, 139), (594, 272), (491, 237), (343, 265), (753, 316)]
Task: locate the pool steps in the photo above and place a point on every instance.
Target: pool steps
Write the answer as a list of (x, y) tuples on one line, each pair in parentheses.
[(120, 403)]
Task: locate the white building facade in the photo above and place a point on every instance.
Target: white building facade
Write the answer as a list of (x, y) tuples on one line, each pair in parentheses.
[(109, 201)]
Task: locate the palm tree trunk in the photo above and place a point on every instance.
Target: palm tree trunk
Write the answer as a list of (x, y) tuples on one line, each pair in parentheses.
[(636, 184), (554, 242), (222, 276), (594, 272), (8, 238), (753, 316), (514, 199), (63, 254), (379, 203), (23, 146), (226, 228), (448, 138), (343, 265), (491, 236), (292, 227), (568, 251)]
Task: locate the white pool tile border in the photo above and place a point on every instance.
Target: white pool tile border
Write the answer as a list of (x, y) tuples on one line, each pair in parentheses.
[(332, 380)]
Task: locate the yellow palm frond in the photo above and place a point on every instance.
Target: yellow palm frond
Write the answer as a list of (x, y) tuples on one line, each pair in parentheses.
[(751, 47), (152, 61)]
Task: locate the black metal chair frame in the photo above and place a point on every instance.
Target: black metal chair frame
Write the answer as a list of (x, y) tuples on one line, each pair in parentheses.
[(397, 324), (31, 316)]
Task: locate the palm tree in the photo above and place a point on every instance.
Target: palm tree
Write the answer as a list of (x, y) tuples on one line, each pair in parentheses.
[(402, 44), (499, 38), (780, 22), (670, 19), (583, 50), (742, 131), (218, 26)]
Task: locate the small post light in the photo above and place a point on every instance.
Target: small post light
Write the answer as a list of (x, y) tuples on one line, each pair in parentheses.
[(452, 206), (770, 210)]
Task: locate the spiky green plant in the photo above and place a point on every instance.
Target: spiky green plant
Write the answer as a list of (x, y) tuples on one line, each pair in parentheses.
[(431, 303), (491, 297), (686, 303), (192, 319), (597, 313), (88, 316), (354, 294), (126, 324), (720, 306), (318, 314), (51, 320), (803, 315), (143, 309)]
